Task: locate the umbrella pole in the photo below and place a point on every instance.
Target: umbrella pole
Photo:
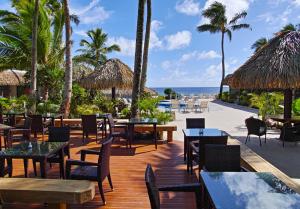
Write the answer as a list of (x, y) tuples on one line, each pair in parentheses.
[(113, 93), (288, 94)]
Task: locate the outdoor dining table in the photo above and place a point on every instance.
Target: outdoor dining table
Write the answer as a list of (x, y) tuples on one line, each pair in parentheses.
[(4, 128), (140, 121), (193, 134), (241, 190), (36, 150)]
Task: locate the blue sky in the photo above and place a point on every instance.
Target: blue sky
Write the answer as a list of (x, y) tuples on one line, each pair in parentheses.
[(179, 55)]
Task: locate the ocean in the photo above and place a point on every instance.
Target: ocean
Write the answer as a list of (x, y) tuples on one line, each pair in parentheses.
[(191, 90)]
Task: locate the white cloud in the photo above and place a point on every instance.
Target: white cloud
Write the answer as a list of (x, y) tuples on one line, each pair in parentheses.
[(127, 45), (188, 7), (81, 33), (296, 2), (179, 40), (276, 19), (155, 41), (92, 13), (200, 55), (166, 65), (232, 7)]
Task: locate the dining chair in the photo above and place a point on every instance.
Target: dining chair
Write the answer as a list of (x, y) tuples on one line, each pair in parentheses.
[(19, 134), (38, 125), (290, 133), (256, 127), (117, 130), (192, 123), (197, 150), (222, 158), (91, 126), (93, 171), (153, 190), (58, 134)]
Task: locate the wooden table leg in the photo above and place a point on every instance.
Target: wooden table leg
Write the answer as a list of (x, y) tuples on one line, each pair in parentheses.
[(169, 136), (155, 135), (25, 167), (43, 164), (131, 131), (62, 163)]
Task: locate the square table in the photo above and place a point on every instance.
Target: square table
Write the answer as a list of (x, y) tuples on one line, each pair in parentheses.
[(39, 151), (243, 190), (141, 121), (193, 134)]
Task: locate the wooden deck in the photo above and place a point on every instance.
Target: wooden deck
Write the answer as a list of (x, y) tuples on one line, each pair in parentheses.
[(127, 170)]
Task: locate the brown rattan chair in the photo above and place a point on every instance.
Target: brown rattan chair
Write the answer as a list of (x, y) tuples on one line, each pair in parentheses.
[(153, 190), (93, 171), (91, 126), (192, 123), (222, 158), (58, 134), (197, 150), (117, 130), (256, 127), (19, 134), (39, 125), (290, 133)]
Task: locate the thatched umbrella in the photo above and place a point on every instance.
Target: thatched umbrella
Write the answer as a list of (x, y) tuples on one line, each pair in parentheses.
[(112, 74), (274, 67), (228, 79), (12, 78)]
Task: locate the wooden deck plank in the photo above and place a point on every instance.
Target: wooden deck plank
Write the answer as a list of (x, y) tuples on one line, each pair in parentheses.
[(127, 172)]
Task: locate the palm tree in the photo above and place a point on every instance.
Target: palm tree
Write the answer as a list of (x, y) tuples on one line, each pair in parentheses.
[(259, 44), (65, 106), (146, 47), (219, 23), (290, 27), (94, 51), (137, 59)]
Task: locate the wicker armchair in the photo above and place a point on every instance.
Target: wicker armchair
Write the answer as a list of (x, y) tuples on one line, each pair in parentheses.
[(192, 123), (256, 127), (153, 190), (91, 126), (91, 170), (117, 130), (290, 133), (19, 134), (39, 125)]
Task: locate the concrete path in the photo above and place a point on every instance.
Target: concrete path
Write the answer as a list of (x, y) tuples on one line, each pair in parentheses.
[(230, 118)]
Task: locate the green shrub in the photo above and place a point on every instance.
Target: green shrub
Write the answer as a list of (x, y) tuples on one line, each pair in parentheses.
[(296, 106), (47, 107), (87, 109), (125, 113)]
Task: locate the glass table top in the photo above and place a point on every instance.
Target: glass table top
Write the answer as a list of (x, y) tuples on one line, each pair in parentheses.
[(37, 149), (243, 190), (203, 132), (143, 120)]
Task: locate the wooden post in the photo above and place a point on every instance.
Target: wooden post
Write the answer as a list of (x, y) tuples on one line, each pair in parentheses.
[(113, 93), (169, 136), (288, 94)]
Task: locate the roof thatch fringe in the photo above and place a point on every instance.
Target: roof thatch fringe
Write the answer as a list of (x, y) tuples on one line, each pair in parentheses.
[(12, 78)]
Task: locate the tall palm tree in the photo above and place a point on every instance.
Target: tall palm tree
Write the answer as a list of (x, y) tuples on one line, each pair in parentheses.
[(65, 106), (94, 51), (216, 13), (137, 59), (146, 47), (259, 44), (33, 80), (290, 27)]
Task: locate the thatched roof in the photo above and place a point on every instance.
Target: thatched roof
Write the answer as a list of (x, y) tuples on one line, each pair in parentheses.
[(275, 66), (113, 73), (128, 92), (228, 79), (12, 78)]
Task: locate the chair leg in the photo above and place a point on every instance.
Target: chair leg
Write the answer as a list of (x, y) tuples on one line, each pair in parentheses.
[(184, 149), (265, 138), (247, 139), (259, 141), (34, 167), (101, 192), (110, 182)]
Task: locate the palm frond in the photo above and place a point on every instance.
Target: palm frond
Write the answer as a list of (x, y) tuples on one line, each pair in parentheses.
[(240, 26), (209, 28), (237, 16)]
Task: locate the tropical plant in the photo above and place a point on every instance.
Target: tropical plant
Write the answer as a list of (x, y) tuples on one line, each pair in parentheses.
[(218, 22), (259, 44), (168, 92), (137, 60), (86, 109), (296, 106), (290, 27), (94, 51), (146, 47)]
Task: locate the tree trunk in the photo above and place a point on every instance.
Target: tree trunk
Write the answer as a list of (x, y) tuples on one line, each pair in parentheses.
[(137, 60), (113, 93), (33, 79), (65, 108), (146, 47), (288, 94), (223, 66)]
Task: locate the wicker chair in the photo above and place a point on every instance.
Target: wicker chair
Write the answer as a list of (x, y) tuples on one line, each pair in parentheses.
[(58, 134), (222, 158), (290, 133), (153, 190), (39, 125), (192, 123), (117, 130), (197, 150), (90, 126), (19, 134), (90, 170), (256, 127)]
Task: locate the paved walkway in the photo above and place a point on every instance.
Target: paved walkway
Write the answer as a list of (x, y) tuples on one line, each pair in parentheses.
[(230, 118)]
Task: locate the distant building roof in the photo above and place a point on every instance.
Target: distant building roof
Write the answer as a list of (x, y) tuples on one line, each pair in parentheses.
[(12, 78)]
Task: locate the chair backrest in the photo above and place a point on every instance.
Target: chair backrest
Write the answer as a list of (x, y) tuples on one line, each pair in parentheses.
[(254, 126), (104, 158), (111, 121), (89, 123), (152, 189), (27, 123), (209, 140), (195, 123), (59, 134), (37, 122), (222, 158)]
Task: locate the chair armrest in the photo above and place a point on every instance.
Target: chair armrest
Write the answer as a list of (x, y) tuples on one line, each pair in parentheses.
[(85, 152), (79, 162), (193, 187)]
